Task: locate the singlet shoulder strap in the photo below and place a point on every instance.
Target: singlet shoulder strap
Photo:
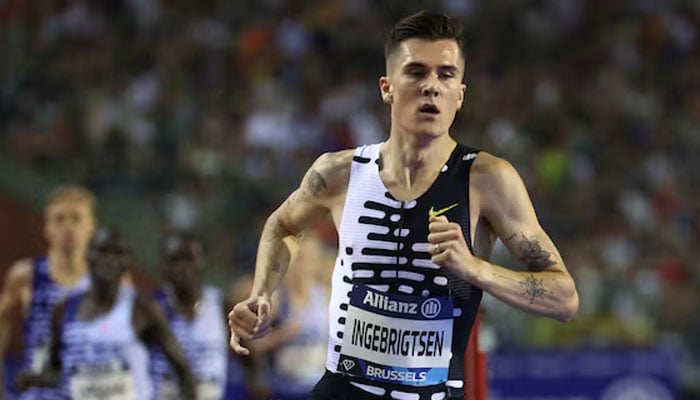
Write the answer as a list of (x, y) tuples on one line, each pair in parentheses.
[(40, 272), (366, 153), (72, 305), (161, 298)]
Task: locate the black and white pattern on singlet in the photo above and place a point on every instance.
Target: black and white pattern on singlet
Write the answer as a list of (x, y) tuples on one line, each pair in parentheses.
[(383, 244)]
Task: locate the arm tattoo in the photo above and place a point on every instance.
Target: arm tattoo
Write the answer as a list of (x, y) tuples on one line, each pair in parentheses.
[(534, 256), (277, 267), (316, 182), (533, 288)]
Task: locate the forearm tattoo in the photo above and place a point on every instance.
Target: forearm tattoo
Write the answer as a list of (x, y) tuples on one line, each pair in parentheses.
[(316, 182), (534, 256), (534, 289)]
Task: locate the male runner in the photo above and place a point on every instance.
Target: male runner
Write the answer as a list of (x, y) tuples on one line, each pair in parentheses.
[(100, 338), (34, 286), (196, 316), (417, 216)]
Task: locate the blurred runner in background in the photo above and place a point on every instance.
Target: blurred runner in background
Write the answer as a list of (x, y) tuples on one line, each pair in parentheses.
[(34, 286)]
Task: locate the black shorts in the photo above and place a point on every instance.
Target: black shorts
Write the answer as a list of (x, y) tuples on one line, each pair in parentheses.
[(337, 387)]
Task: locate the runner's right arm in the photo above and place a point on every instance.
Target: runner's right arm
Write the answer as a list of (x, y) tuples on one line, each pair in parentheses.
[(18, 280), (319, 190)]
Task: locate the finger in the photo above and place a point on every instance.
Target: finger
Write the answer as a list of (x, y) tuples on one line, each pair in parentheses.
[(235, 344), (438, 259), (439, 237), (244, 316), (439, 226), (263, 314), (438, 219), (262, 325), (231, 318), (263, 310), (244, 321), (247, 324), (433, 248), (242, 333)]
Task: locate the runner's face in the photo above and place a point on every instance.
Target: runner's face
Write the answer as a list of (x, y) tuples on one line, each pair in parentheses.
[(108, 258), (424, 85), (183, 262), (69, 224)]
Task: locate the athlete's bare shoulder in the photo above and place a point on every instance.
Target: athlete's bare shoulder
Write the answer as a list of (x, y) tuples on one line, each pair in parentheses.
[(17, 286), (491, 175), (321, 190), (20, 274), (500, 191), (334, 167), (329, 174)]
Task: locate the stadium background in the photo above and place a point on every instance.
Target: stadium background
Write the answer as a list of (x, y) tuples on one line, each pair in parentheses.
[(203, 115)]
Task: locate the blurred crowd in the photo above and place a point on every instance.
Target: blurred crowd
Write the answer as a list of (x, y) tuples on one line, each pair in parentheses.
[(213, 110)]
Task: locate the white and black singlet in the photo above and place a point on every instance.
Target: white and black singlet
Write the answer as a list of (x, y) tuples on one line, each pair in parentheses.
[(399, 324)]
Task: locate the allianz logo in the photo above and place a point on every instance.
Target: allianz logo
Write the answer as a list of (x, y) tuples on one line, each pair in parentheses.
[(429, 309)]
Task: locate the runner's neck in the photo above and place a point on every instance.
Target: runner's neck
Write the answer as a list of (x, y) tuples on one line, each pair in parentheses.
[(67, 269)]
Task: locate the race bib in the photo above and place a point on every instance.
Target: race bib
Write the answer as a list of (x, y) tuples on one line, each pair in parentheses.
[(313, 355), (104, 382), (169, 390), (206, 390), (397, 338)]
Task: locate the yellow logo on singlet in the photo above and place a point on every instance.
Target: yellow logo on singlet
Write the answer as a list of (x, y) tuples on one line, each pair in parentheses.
[(434, 213)]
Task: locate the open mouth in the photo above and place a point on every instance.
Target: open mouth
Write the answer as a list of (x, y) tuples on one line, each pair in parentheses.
[(429, 109)]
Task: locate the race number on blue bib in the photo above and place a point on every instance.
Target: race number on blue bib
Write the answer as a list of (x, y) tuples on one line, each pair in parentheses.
[(397, 338)]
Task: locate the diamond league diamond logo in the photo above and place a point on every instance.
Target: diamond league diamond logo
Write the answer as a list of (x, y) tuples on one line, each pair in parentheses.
[(348, 364)]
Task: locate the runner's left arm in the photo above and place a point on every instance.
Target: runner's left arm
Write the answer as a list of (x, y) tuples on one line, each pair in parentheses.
[(545, 288), (152, 328)]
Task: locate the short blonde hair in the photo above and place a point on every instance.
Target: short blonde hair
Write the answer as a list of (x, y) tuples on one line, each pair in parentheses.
[(71, 193)]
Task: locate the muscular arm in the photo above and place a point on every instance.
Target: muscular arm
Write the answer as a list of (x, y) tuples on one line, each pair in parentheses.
[(17, 282), (151, 326), (546, 288), (319, 190)]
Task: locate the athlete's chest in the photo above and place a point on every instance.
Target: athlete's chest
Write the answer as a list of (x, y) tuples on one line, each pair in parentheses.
[(370, 203), (401, 190)]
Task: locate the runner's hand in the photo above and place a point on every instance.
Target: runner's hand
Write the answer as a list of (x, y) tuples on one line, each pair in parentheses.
[(449, 249), (249, 320)]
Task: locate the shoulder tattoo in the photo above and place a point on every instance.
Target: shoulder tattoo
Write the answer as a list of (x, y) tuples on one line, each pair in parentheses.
[(316, 182)]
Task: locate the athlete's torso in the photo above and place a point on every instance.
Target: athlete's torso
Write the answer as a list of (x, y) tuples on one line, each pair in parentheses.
[(45, 295), (103, 358), (204, 341), (383, 248)]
